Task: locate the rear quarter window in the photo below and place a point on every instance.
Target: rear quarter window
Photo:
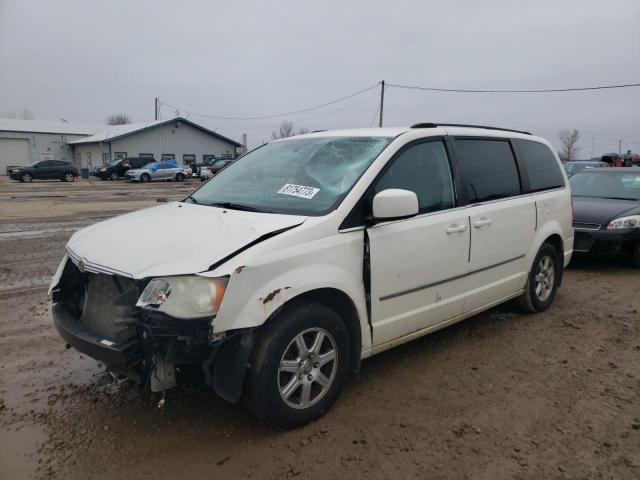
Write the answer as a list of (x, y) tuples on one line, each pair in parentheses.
[(540, 166)]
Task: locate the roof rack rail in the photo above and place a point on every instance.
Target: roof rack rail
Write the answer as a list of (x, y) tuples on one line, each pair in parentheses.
[(434, 125)]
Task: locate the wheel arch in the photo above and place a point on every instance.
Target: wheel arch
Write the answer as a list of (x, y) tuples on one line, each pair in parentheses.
[(551, 236), (343, 305)]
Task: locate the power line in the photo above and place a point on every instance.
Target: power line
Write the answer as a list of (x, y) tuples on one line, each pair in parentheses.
[(543, 90), (375, 115), (264, 117), (351, 105)]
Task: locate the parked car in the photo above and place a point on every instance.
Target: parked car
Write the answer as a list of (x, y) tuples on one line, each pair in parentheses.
[(120, 166), (45, 170), (607, 212), (206, 173), (571, 168), (275, 278), (151, 172)]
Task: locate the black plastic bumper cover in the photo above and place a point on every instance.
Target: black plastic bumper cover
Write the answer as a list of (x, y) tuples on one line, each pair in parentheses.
[(123, 355)]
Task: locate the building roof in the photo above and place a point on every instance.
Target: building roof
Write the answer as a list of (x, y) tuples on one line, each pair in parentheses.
[(115, 132), (42, 126)]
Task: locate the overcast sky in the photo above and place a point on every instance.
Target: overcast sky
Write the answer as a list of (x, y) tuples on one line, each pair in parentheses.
[(83, 60)]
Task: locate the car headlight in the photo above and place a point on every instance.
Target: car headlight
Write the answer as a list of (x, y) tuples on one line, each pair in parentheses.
[(103, 169), (185, 297), (632, 221)]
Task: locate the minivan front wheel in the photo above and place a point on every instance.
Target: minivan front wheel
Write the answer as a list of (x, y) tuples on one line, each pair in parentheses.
[(543, 281), (300, 365)]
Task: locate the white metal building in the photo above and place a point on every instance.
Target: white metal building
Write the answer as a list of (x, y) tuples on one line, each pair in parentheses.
[(27, 141), (177, 138)]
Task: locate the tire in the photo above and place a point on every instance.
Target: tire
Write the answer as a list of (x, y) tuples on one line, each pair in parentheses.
[(26, 178), (113, 176), (543, 281), (281, 374), (179, 177), (68, 177), (144, 178)]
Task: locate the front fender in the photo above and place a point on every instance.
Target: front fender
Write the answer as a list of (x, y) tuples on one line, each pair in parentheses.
[(259, 288)]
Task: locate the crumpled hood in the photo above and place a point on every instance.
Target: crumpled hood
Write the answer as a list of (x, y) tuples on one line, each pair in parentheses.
[(171, 239)]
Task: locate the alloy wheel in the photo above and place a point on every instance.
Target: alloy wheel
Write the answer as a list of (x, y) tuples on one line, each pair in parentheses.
[(307, 368), (545, 278)]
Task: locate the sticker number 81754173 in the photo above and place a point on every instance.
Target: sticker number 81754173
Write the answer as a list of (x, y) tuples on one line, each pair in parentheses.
[(301, 191)]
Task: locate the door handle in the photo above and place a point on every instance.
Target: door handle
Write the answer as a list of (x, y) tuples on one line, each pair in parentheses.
[(483, 222), (455, 228)]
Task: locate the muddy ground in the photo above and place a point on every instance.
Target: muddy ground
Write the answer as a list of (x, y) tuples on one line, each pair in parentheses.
[(501, 395)]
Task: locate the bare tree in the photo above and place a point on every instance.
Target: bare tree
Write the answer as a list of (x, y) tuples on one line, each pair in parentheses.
[(23, 114), (286, 130), (569, 140), (118, 119)]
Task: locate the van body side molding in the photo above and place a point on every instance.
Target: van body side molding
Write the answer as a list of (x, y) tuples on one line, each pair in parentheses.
[(448, 279)]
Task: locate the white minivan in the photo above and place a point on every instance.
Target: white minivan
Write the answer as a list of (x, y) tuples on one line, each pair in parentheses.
[(273, 280)]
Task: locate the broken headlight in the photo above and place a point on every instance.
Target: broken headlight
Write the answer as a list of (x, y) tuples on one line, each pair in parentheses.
[(184, 297)]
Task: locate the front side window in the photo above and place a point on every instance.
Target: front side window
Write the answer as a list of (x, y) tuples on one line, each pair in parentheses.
[(490, 170), (307, 176), (423, 169), (543, 170)]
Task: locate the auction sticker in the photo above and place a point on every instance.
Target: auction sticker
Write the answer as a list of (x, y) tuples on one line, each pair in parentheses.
[(299, 191)]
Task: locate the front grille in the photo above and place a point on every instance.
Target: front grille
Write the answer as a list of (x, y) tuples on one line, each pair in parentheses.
[(108, 299), (586, 226)]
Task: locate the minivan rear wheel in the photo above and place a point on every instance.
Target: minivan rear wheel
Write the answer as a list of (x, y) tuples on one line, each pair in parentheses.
[(543, 280), (299, 367)]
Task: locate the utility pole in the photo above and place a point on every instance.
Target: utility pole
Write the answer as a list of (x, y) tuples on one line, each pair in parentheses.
[(381, 102), (620, 146), (156, 114), (592, 140)]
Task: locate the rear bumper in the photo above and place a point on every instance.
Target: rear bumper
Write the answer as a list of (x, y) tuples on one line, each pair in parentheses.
[(121, 355), (605, 241)]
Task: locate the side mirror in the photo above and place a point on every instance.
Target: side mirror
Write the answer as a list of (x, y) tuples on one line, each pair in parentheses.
[(126, 165), (395, 203)]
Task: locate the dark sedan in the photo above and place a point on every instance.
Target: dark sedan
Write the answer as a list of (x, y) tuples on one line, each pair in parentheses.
[(606, 212), (45, 170)]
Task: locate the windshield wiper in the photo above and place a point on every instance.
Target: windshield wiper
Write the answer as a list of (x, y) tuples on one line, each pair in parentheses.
[(192, 198), (235, 206)]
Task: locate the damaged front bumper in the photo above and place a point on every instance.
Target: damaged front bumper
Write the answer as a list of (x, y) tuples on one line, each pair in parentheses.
[(95, 313), (119, 355)]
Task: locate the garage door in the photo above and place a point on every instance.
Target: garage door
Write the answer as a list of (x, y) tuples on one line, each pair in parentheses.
[(13, 152)]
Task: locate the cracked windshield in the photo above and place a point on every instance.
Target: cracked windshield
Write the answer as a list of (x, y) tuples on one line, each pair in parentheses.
[(308, 176)]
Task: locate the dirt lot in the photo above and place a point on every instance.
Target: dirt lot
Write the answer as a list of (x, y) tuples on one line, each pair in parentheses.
[(501, 395)]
